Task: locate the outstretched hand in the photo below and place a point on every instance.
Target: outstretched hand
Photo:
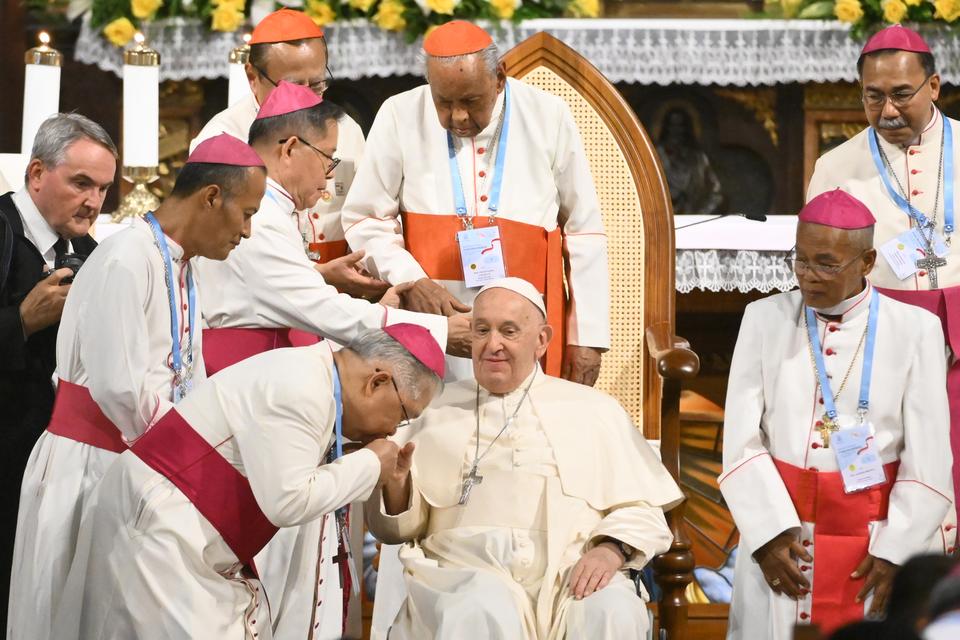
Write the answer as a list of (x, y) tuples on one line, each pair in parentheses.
[(347, 275)]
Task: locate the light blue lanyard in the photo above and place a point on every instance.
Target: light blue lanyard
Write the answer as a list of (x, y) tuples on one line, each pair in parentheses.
[(863, 404), (179, 383), (948, 204), (493, 201), (338, 423)]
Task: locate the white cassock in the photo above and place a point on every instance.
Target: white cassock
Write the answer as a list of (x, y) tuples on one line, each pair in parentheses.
[(268, 282), (570, 469), (546, 184), (771, 435), (150, 565), (320, 226), (851, 167), (114, 339)]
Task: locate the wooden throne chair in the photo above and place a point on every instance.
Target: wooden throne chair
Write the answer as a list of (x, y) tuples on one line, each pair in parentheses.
[(646, 362)]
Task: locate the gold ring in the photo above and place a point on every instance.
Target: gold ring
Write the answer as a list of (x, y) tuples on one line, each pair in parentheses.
[(775, 582)]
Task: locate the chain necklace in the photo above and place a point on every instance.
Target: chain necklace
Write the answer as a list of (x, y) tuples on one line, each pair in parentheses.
[(473, 478), (932, 227), (491, 156)]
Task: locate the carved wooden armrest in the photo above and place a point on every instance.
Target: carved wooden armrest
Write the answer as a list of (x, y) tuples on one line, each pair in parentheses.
[(675, 359)]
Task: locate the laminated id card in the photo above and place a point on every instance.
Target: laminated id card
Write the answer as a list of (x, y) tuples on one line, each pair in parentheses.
[(857, 457), (481, 255), (902, 252)]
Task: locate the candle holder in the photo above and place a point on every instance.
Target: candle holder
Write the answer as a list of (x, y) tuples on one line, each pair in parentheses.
[(41, 88), (140, 200), (140, 128)]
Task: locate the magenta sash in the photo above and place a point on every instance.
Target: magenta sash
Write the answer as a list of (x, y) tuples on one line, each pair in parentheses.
[(225, 347), (219, 492), (78, 417)]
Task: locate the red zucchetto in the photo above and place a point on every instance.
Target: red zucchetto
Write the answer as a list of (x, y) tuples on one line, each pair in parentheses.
[(285, 25), (456, 38)]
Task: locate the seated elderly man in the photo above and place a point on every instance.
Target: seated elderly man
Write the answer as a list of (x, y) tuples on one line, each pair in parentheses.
[(527, 498), (167, 540)]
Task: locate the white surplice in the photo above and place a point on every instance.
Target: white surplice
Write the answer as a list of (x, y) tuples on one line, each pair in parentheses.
[(268, 282), (546, 183), (851, 167), (149, 565), (114, 339), (322, 222), (771, 410), (570, 469)]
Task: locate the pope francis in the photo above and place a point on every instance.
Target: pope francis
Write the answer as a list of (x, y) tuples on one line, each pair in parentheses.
[(548, 561)]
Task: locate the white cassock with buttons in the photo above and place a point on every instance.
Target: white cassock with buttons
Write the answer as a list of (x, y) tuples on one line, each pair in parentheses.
[(115, 341), (570, 469), (771, 434)]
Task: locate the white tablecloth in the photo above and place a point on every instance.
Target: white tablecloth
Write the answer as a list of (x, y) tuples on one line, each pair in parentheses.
[(704, 52), (734, 254)]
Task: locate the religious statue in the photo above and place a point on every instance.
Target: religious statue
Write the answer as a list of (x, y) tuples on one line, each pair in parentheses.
[(694, 187)]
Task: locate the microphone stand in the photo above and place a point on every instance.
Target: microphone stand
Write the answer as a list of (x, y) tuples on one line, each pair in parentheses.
[(756, 217)]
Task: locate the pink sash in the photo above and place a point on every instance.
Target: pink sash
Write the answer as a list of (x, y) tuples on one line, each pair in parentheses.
[(78, 417), (225, 347)]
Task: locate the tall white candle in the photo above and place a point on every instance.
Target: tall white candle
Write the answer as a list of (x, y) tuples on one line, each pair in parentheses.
[(238, 87), (41, 89), (141, 105)]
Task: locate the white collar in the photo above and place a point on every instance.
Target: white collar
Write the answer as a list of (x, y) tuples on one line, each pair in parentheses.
[(38, 229), (176, 251), (851, 307), (280, 196)]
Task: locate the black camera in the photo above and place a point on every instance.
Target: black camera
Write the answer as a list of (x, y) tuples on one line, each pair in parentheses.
[(72, 261)]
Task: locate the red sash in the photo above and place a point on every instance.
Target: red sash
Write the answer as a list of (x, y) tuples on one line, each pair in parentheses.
[(78, 417), (840, 539), (529, 252), (219, 492), (945, 304), (328, 251), (225, 347)]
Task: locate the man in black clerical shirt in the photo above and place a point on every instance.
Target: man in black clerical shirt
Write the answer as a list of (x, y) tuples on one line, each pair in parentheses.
[(72, 165)]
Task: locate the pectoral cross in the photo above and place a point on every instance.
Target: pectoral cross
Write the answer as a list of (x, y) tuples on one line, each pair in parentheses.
[(827, 427), (469, 482), (931, 263), (341, 559)]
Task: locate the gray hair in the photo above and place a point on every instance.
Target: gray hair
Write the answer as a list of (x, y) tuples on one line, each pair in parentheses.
[(489, 55), (61, 130), (410, 374)]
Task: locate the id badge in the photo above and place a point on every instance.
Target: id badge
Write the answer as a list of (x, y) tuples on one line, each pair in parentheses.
[(902, 252), (857, 457), (481, 255)]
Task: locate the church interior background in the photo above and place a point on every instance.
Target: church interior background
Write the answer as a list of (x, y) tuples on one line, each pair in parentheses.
[(733, 146)]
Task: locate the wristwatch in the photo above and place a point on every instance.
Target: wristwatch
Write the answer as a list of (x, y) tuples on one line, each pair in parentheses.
[(625, 550)]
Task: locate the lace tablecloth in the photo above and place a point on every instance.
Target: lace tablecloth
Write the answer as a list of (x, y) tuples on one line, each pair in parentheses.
[(733, 270), (724, 52)]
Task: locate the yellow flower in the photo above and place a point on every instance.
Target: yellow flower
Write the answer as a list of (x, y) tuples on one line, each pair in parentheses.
[(226, 18), (236, 5), (790, 7), (320, 12), (389, 16), (503, 9), (444, 7), (914, 3), (145, 8), (584, 8), (848, 10), (119, 32), (362, 5), (894, 11), (948, 10)]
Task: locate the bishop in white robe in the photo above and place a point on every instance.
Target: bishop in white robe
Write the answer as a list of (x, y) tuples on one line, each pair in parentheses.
[(813, 548), (534, 539), (287, 45), (904, 167), (166, 543), (115, 362), (508, 155)]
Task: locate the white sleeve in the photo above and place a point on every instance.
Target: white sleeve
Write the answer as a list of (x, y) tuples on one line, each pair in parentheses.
[(640, 526), (115, 354), (288, 291), (370, 212), (585, 242), (282, 444), (750, 483), (923, 491), (410, 524)]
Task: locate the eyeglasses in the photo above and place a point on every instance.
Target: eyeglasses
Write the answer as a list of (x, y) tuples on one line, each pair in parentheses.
[(822, 270), (900, 99), (333, 161), (406, 417), (318, 87)]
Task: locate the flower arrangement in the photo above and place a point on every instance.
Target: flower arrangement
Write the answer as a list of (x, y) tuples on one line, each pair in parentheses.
[(869, 15), (118, 20)]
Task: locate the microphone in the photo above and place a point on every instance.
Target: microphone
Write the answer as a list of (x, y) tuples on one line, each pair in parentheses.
[(756, 217)]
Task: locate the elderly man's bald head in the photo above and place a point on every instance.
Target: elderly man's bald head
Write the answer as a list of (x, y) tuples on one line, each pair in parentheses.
[(510, 335)]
